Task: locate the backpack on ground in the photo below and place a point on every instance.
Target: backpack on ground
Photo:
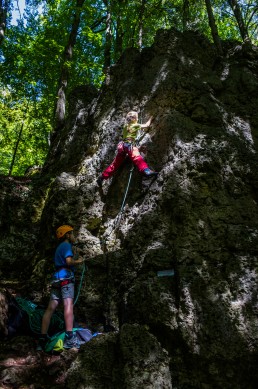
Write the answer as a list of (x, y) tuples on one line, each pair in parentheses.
[(56, 342)]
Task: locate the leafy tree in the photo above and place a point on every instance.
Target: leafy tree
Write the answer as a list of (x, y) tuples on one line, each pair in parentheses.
[(23, 127), (213, 26), (65, 70), (239, 18), (59, 44)]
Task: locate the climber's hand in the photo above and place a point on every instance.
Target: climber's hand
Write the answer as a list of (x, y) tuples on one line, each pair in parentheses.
[(80, 260)]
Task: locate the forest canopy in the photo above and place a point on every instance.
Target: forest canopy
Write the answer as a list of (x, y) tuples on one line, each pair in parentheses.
[(56, 45)]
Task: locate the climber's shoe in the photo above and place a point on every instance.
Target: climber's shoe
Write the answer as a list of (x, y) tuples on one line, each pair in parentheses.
[(71, 342), (100, 181), (149, 173), (42, 341)]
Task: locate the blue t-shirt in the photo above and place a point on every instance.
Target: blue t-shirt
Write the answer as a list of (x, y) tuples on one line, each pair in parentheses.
[(63, 251)]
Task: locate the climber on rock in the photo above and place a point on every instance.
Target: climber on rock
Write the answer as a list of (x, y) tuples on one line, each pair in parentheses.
[(62, 287), (127, 147)]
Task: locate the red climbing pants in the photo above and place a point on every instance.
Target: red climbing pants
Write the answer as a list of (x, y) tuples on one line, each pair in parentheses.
[(124, 149)]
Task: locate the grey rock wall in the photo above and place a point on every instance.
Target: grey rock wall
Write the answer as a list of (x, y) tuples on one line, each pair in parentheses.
[(198, 328)]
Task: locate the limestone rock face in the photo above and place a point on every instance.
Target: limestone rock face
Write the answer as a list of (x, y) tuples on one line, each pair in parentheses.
[(132, 359), (197, 327), (3, 314)]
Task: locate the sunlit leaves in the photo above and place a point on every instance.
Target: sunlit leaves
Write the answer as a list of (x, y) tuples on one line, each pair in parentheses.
[(33, 144)]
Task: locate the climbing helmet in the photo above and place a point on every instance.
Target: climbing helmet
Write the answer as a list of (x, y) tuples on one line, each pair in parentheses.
[(62, 230)]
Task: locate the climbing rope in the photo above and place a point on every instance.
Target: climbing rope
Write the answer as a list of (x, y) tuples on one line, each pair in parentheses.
[(35, 315), (119, 215), (105, 251), (80, 284), (116, 225)]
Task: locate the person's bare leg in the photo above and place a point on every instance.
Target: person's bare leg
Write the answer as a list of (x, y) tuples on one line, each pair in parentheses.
[(68, 313), (47, 315)]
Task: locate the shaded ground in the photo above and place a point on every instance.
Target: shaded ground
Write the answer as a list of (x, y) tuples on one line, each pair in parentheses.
[(21, 366)]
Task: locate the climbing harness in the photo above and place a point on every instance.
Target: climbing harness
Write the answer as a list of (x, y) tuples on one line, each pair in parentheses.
[(119, 215), (64, 276), (65, 282), (35, 314)]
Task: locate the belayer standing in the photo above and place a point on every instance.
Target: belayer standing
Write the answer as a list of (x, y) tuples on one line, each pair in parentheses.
[(62, 288), (127, 147)]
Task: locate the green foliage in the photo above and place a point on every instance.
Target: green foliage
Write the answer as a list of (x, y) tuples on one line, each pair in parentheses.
[(21, 117), (32, 56)]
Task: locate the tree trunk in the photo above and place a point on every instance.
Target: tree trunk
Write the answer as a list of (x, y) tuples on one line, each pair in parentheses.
[(15, 149), (142, 9), (239, 18), (64, 77), (4, 6), (186, 14), (108, 43), (119, 38), (213, 26)]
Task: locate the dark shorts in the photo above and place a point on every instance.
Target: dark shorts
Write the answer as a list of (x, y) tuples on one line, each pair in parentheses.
[(64, 292)]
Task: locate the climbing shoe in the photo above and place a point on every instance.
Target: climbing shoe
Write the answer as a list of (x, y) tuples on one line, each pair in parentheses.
[(71, 342), (42, 341), (149, 173), (100, 181)]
